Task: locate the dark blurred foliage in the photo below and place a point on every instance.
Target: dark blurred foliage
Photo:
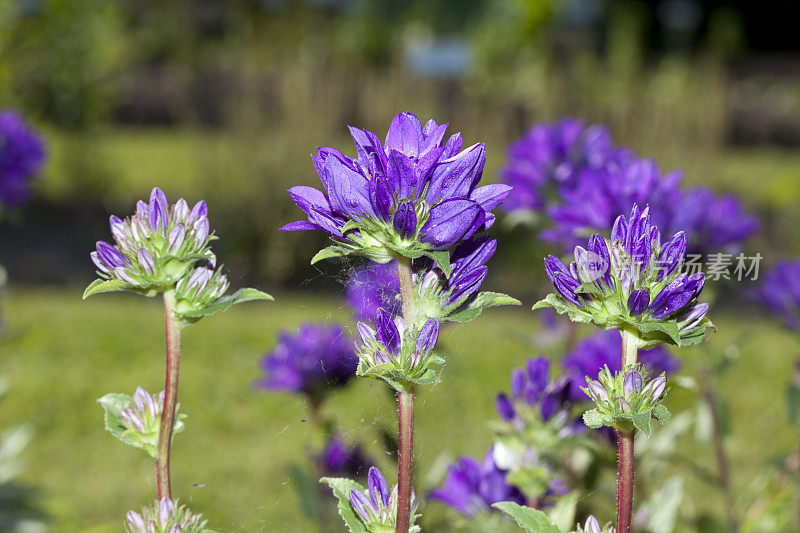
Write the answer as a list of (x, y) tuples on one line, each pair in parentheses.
[(252, 87)]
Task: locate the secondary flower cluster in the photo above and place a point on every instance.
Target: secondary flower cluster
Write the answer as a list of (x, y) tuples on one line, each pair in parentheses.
[(316, 359), (411, 195), (575, 175), (780, 292), (632, 282), (136, 420), (604, 349), (400, 355), (471, 487), (165, 516), (377, 506), (165, 248), (22, 156), (623, 400)]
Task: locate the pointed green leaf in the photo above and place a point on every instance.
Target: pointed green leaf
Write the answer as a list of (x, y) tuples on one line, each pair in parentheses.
[(104, 285), (442, 258), (307, 491), (222, 304), (493, 299), (562, 306), (341, 489), (641, 421), (594, 419), (562, 514), (533, 520), (330, 251), (470, 313)]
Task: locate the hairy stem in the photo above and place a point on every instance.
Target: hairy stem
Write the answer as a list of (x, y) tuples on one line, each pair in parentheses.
[(405, 411), (630, 349), (170, 398)]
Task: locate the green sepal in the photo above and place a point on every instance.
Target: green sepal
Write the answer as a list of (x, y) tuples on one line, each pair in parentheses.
[(112, 404), (341, 489), (331, 251), (240, 296), (595, 419), (533, 520), (105, 285), (641, 421), (442, 259), (398, 380)]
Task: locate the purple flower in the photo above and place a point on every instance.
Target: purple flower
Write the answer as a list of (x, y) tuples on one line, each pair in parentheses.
[(576, 176), (377, 505), (780, 292), (472, 487), (338, 459), (602, 349), (412, 191), (531, 388), (373, 287), (317, 358), (22, 156)]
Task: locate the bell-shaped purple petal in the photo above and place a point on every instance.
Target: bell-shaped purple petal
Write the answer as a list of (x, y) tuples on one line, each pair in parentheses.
[(110, 255), (378, 489), (591, 526), (450, 221), (657, 386), (146, 261), (405, 220), (632, 383), (428, 336), (199, 211), (402, 171), (490, 196), (672, 254), (505, 408), (691, 318), (381, 197), (471, 254), (596, 390), (517, 382), (157, 210), (362, 505), (386, 332), (466, 284), (638, 301), (562, 279), (404, 135), (456, 177)]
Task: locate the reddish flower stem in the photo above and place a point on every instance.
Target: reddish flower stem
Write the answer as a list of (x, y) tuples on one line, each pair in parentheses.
[(405, 411), (173, 331), (630, 349)]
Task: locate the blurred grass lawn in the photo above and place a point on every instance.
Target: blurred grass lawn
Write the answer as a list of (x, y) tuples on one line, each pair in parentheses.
[(60, 354)]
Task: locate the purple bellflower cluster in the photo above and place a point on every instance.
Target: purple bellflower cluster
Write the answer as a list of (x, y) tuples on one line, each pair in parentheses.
[(604, 349), (316, 359), (165, 516), (164, 248), (780, 292), (575, 175), (471, 487), (337, 459), (22, 156), (376, 507), (409, 196), (632, 282)]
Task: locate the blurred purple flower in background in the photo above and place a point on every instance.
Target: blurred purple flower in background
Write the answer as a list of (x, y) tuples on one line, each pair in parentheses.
[(575, 175), (338, 459), (780, 292), (318, 357), (21, 158), (472, 487), (532, 387), (372, 287), (604, 348)]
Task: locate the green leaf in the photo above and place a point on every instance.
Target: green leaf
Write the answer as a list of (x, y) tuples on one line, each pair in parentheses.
[(341, 489), (661, 413), (442, 258), (493, 299), (533, 520), (594, 419), (562, 514), (470, 313), (112, 404), (591, 288), (105, 285), (641, 421), (240, 296), (331, 251), (306, 490)]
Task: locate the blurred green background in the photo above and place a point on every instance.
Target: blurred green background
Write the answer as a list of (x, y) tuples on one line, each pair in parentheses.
[(225, 100)]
